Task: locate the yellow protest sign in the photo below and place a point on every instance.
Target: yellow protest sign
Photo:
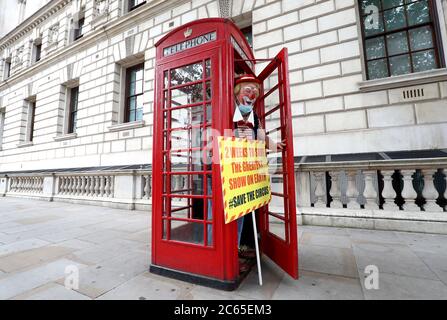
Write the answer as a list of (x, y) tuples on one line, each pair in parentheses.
[(244, 174)]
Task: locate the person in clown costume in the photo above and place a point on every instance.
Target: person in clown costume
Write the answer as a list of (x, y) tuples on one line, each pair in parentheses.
[(247, 125)]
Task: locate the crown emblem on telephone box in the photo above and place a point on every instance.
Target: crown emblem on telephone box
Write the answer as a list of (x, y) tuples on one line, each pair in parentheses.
[(187, 32)]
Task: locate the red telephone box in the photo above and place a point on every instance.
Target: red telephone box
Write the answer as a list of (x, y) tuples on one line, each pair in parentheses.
[(196, 65)]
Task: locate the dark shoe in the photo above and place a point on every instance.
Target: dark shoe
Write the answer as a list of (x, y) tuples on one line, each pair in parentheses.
[(246, 252)]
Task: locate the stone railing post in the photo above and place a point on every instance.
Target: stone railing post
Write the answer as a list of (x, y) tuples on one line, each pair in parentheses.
[(3, 185), (302, 181), (388, 192), (445, 191), (139, 186), (429, 192), (49, 186), (351, 191), (107, 187), (408, 192), (96, 190), (319, 189), (124, 188), (370, 192), (101, 186), (335, 191), (147, 186)]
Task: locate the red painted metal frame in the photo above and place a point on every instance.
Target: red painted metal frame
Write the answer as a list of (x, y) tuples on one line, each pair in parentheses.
[(284, 252), (219, 261)]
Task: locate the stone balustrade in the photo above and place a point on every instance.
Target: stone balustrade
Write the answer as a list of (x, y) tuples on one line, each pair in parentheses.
[(86, 185), (26, 184), (408, 195), (392, 190), (146, 186), (129, 189), (388, 189)]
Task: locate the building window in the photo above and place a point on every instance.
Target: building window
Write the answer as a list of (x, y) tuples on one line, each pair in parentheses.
[(248, 33), (37, 50), (31, 118), (7, 68), (133, 4), (78, 26), (399, 37), (73, 109), (134, 93)]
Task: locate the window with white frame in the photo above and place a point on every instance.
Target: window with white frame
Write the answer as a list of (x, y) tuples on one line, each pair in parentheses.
[(134, 81), (78, 27), (72, 109), (2, 126), (133, 4), (37, 50), (7, 68), (31, 103)]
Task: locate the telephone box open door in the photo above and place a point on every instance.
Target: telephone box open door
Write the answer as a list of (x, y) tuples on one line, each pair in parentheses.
[(278, 219)]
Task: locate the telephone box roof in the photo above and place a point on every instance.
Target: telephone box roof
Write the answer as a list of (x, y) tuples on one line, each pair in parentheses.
[(212, 22)]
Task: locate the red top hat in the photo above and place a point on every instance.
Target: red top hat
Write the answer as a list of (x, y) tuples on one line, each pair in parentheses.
[(247, 78)]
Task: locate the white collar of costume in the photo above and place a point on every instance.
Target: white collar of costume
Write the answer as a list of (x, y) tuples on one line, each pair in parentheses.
[(239, 117)]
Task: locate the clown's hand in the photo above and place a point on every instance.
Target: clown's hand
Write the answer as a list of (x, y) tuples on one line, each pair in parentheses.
[(281, 145)]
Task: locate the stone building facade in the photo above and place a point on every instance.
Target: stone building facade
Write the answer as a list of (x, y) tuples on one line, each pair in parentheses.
[(368, 89)]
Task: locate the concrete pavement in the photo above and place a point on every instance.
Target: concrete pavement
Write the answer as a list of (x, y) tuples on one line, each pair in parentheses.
[(111, 250)]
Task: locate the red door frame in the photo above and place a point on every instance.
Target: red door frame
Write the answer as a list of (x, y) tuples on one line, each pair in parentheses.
[(177, 255), (219, 261), (283, 252)]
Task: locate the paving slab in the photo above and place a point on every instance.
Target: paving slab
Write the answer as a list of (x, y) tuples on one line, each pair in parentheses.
[(148, 286), (64, 235), (271, 277), (318, 286), (21, 282), (33, 257), (398, 287), (7, 225), (51, 291), (436, 262), (93, 281), (97, 279), (8, 238), (433, 243), (204, 293), (391, 258), (76, 244), (374, 236), (133, 226), (109, 250), (132, 262), (23, 245), (319, 239), (325, 230), (141, 236), (103, 236), (328, 260), (36, 220)]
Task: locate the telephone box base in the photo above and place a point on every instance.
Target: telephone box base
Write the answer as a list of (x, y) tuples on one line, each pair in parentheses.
[(197, 279)]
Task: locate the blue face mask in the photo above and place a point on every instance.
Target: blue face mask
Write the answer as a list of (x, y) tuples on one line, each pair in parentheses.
[(245, 108)]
